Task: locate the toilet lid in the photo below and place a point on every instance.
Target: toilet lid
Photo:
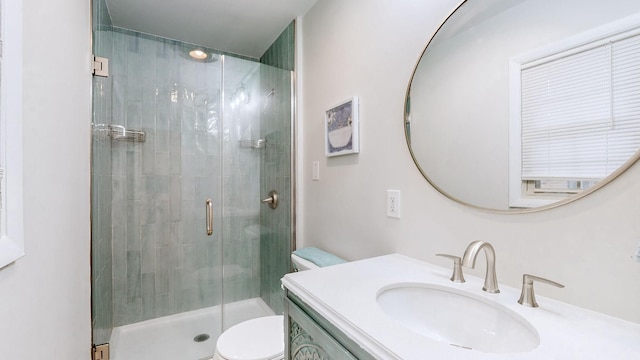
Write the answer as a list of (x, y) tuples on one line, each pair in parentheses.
[(255, 339)]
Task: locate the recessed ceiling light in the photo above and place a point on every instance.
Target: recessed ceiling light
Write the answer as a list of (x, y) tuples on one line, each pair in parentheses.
[(198, 54)]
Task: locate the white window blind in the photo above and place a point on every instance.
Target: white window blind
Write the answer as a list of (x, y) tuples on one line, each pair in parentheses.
[(581, 111)]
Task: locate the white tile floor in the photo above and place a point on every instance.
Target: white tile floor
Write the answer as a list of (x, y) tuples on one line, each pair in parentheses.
[(171, 337)]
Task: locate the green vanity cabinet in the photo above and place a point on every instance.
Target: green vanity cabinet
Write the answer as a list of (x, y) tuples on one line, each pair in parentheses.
[(309, 336)]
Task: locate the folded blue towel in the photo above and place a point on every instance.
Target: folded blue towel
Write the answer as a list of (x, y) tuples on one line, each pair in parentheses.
[(318, 257)]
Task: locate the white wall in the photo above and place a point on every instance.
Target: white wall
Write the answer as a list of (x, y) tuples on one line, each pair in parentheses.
[(368, 48), (45, 296)]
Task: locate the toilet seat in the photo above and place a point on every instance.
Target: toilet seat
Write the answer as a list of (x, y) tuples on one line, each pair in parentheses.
[(256, 339)]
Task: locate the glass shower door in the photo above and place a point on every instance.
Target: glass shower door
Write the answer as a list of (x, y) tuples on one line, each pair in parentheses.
[(276, 170), (256, 160), (194, 109), (166, 266)]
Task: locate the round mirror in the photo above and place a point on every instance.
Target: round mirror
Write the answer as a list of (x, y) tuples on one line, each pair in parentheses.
[(522, 105)]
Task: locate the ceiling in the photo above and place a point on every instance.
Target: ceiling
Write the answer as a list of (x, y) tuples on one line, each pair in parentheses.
[(245, 27)]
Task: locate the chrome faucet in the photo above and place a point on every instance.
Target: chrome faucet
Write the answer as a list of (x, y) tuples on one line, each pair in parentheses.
[(469, 260)]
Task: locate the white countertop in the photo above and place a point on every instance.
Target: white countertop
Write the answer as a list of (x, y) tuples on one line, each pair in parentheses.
[(346, 295)]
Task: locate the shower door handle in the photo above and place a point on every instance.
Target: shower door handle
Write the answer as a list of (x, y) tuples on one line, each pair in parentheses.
[(209, 217)]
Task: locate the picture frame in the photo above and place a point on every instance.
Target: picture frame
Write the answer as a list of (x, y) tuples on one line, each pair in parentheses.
[(341, 128)]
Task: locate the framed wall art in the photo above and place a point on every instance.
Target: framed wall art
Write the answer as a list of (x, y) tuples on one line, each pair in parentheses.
[(341, 129)]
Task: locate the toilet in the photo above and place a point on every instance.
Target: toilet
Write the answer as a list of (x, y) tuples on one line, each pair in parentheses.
[(264, 334), (256, 339)]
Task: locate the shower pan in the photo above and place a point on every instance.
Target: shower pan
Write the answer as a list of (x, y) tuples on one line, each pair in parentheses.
[(183, 152)]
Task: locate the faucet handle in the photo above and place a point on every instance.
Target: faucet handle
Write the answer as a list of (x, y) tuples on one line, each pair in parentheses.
[(457, 275), (527, 296)]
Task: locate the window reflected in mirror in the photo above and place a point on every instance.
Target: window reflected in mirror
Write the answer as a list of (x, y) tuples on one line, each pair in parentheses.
[(575, 117)]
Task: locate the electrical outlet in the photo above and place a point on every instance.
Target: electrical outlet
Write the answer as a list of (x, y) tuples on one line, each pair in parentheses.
[(393, 203)]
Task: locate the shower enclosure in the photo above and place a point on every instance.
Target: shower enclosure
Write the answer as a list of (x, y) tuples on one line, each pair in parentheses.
[(183, 152)]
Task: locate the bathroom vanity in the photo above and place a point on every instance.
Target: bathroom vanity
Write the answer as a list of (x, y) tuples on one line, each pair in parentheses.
[(397, 307)]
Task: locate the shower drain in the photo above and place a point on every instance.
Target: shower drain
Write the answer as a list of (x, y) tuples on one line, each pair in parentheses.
[(201, 338)]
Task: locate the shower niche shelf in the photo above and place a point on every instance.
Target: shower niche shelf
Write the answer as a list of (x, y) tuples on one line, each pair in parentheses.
[(120, 133), (253, 144)]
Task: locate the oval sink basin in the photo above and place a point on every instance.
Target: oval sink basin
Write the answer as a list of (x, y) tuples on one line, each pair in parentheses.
[(457, 318)]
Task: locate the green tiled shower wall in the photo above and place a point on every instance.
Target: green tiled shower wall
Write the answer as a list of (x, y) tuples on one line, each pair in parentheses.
[(151, 255), (101, 262), (275, 244), (281, 53), (164, 263)]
